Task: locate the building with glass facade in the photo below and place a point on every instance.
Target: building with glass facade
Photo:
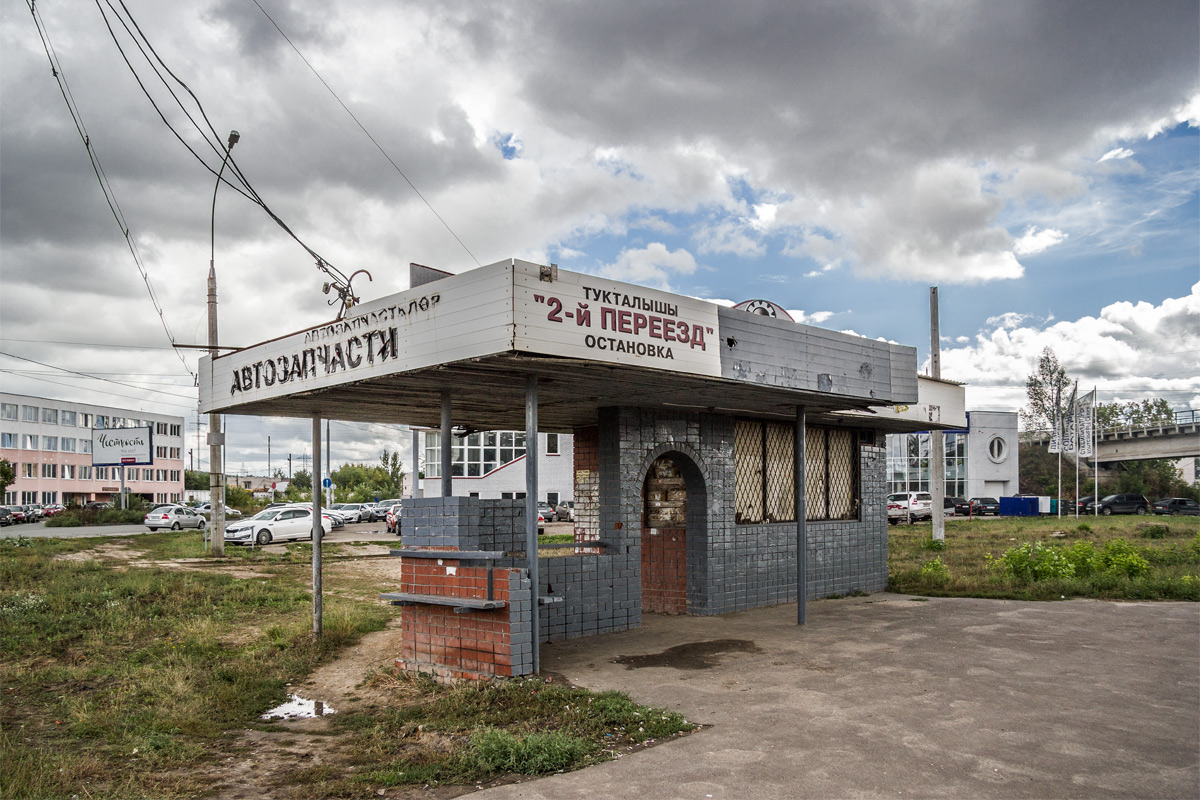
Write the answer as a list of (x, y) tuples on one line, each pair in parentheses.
[(981, 461), (490, 465)]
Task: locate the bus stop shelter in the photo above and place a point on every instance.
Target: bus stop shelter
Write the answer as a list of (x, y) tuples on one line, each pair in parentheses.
[(724, 459)]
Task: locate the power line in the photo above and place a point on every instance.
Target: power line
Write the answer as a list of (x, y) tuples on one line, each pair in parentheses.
[(87, 344), (110, 196), (363, 128), (92, 377), (105, 391)]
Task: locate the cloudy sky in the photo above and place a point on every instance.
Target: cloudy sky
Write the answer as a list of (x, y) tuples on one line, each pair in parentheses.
[(1038, 161)]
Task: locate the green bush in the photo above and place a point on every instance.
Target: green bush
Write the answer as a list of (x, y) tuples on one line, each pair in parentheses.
[(1119, 557), (1034, 561), (1154, 530), (1082, 555), (936, 545), (935, 571)]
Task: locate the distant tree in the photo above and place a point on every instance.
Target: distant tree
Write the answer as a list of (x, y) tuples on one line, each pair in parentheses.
[(302, 478), (1047, 389), (1156, 478), (358, 483), (195, 481), (1135, 414), (238, 497), (8, 475)]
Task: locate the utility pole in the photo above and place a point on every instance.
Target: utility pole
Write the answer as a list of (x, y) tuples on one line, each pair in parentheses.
[(289, 468), (937, 446)]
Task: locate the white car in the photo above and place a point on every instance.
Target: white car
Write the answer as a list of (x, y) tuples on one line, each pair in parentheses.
[(353, 512), (206, 509), (910, 506), (275, 523)]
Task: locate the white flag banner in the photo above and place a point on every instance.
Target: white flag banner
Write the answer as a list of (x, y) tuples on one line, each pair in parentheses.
[(1056, 430), (1085, 416), (1069, 427)]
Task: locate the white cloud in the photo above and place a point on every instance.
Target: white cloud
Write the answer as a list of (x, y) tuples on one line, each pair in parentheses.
[(1135, 350), (650, 266), (1117, 152), (1035, 241)]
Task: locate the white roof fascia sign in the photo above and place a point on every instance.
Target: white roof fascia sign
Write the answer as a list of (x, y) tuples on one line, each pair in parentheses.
[(573, 315), (463, 316)]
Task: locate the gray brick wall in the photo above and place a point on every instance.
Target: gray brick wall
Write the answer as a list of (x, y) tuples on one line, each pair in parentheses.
[(734, 567)]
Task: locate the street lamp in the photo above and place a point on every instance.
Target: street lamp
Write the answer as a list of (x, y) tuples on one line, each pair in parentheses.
[(216, 439)]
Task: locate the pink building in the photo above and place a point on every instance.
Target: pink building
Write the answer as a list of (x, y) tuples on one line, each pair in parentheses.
[(49, 444)]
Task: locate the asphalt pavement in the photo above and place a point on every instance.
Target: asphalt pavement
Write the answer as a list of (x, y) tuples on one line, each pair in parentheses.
[(894, 696)]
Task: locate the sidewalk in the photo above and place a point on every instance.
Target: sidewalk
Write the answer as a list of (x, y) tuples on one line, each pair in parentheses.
[(887, 696)]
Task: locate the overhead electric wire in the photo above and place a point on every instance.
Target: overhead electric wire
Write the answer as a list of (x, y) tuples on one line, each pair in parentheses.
[(102, 177), (114, 394), (363, 128), (247, 190), (93, 377), (87, 344)]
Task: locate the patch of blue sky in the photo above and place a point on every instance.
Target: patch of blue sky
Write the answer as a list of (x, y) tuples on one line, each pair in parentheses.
[(508, 144)]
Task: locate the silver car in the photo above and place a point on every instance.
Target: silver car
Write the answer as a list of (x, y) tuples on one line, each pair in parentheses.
[(173, 517)]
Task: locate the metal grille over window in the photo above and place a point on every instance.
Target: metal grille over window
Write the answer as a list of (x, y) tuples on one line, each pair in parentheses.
[(780, 495), (815, 473), (843, 475), (764, 469), (748, 469)]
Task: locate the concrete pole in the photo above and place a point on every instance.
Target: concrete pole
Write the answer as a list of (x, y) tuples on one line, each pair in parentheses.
[(798, 467), (937, 439), (447, 477), (531, 512), (216, 438), (317, 530)]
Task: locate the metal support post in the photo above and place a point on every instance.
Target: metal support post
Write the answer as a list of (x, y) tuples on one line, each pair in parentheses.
[(317, 530), (416, 463), (801, 519), (531, 512)]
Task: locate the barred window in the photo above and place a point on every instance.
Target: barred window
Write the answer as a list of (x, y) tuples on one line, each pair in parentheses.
[(764, 469)]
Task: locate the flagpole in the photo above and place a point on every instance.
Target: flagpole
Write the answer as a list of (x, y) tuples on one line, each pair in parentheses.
[(1095, 456)]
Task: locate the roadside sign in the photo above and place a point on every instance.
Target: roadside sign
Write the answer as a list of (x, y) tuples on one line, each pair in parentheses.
[(327, 483)]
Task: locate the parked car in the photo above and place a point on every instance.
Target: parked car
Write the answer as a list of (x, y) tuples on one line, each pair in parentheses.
[(962, 507), (913, 506), (275, 523), (54, 510), (1125, 503), (206, 510), (984, 505), (393, 519), (1177, 506), (6, 517), (546, 512), (173, 517), (18, 514), (952, 504), (35, 511), (566, 510), (352, 512), (1085, 503)]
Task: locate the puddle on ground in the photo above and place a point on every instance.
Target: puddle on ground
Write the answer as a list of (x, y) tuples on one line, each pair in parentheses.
[(298, 707), (693, 655)]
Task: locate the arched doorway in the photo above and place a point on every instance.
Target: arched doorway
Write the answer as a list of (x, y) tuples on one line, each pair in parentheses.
[(665, 499)]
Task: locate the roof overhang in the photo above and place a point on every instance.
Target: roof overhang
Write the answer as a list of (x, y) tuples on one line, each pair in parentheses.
[(592, 343)]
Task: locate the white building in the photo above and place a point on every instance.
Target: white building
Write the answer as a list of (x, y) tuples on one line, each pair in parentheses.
[(981, 461), (49, 444), (491, 465)]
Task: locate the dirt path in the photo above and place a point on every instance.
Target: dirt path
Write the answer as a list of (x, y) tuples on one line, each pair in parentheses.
[(262, 763)]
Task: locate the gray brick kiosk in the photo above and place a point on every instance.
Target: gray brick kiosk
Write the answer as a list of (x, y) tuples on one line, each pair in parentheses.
[(725, 458)]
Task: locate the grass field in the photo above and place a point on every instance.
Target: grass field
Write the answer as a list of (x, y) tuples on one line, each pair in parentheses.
[(1142, 558), (134, 680)]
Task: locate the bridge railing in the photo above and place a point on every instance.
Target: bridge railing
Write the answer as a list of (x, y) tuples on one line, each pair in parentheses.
[(1188, 417)]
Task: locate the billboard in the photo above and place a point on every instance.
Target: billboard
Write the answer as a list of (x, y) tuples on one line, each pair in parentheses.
[(114, 447)]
